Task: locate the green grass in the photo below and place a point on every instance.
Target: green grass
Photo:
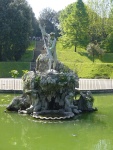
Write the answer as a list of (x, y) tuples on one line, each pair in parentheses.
[(31, 45), (83, 65), (91, 70), (28, 56), (78, 61), (6, 67), (22, 64)]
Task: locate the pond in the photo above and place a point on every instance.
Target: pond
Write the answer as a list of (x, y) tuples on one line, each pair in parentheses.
[(92, 131)]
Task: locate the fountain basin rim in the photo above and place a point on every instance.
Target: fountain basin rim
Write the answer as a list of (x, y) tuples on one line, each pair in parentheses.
[(53, 115)]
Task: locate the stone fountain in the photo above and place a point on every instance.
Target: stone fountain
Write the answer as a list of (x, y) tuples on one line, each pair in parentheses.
[(51, 94), (50, 91)]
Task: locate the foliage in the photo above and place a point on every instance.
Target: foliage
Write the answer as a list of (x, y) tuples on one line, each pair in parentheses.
[(15, 21), (49, 18), (32, 45), (100, 17), (14, 73), (108, 43), (35, 27), (96, 30), (27, 56), (37, 81), (94, 49), (25, 71), (65, 25), (101, 7), (81, 24), (74, 25)]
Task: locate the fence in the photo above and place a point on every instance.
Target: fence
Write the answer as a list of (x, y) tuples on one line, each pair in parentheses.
[(95, 84), (10, 84), (84, 84)]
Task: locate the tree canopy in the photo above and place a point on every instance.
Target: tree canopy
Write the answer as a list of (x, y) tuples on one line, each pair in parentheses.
[(16, 27), (74, 25), (49, 18), (100, 16), (81, 24)]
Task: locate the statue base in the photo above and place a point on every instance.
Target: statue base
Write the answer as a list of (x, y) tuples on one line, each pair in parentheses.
[(53, 115)]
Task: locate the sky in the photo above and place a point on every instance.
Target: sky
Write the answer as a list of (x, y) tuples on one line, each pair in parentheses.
[(56, 5)]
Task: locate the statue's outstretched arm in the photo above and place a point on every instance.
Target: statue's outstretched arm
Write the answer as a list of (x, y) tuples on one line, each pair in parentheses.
[(42, 28), (44, 34)]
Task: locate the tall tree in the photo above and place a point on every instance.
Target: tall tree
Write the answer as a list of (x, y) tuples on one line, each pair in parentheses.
[(15, 21), (74, 25), (82, 24), (66, 25)]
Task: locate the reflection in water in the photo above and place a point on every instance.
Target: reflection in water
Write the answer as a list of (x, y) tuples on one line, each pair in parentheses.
[(24, 137), (103, 145)]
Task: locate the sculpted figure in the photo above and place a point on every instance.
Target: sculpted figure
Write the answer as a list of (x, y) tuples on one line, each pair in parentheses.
[(85, 102), (19, 103), (50, 46)]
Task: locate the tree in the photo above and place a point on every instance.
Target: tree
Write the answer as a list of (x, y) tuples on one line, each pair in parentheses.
[(100, 23), (66, 27), (74, 25), (49, 17), (82, 24), (35, 27), (108, 42), (15, 21), (94, 50)]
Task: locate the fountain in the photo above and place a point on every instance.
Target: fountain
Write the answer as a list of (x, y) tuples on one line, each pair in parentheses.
[(50, 91), (51, 94)]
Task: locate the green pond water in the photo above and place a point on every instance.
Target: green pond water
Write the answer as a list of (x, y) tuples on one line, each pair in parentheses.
[(92, 131)]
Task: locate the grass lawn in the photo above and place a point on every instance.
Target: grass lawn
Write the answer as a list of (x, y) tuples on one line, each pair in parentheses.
[(6, 67), (32, 45), (83, 65), (22, 64), (28, 56), (78, 61)]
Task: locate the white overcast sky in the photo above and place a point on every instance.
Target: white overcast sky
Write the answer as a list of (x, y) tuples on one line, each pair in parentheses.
[(39, 5)]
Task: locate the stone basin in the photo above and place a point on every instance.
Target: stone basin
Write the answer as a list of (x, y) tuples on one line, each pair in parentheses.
[(53, 115)]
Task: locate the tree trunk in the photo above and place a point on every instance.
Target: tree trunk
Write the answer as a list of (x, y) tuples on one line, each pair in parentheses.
[(93, 57), (75, 48)]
